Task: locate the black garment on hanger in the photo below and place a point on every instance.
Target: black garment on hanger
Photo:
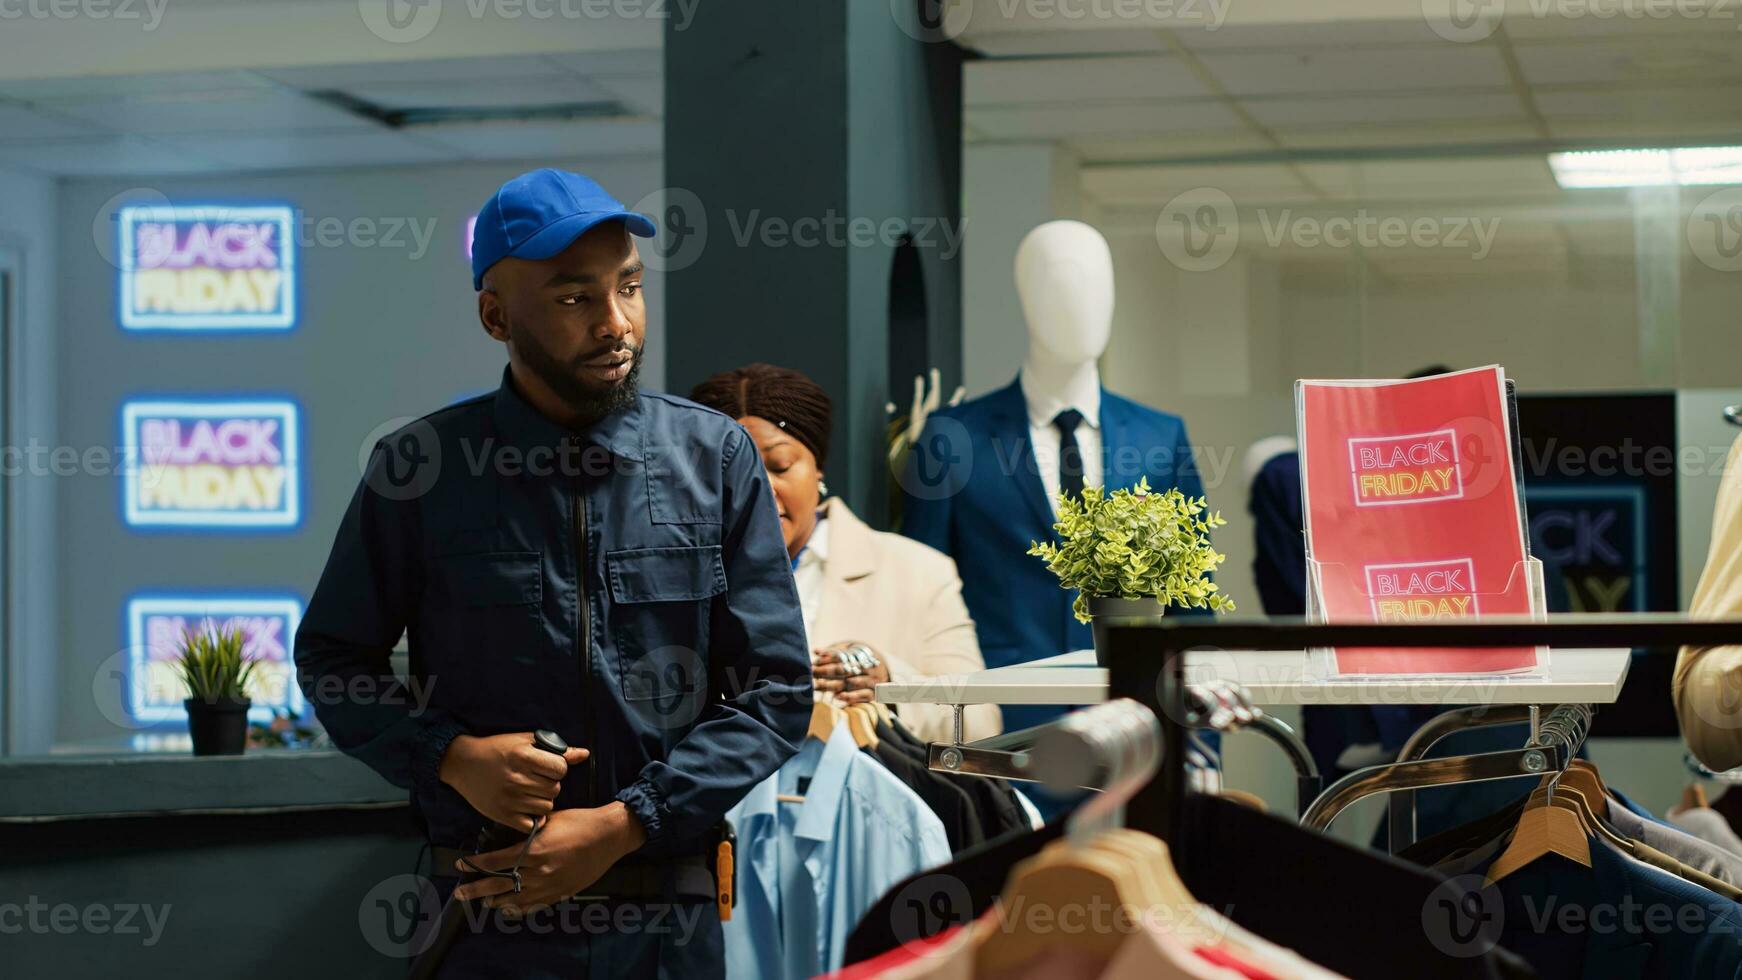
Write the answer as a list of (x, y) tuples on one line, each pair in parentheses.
[(950, 802), (1446, 844), (995, 802), (1352, 910)]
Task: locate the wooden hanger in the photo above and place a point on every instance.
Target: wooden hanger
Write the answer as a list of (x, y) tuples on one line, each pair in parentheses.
[(826, 716), (1585, 766), (1694, 798), (1059, 876), (1544, 828), (861, 721), (1595, 823)]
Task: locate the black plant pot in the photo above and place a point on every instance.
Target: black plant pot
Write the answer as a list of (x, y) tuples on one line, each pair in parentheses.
[(218, 727), (1105, 609)]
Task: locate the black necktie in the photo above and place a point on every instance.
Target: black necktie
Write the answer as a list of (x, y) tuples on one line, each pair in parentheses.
[(1070, 454)]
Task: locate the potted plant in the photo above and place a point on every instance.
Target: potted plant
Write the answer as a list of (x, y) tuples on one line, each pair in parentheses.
[(217, 675), (1134, 553)]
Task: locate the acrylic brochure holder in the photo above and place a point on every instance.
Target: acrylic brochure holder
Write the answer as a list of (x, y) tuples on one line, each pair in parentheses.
[(1423, 592)]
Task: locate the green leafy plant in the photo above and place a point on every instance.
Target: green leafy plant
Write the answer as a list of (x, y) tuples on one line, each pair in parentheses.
[(1136, 544), (212, 665)]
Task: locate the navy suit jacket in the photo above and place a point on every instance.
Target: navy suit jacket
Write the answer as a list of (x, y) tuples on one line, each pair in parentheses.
[(1617, 920), (971, 489)]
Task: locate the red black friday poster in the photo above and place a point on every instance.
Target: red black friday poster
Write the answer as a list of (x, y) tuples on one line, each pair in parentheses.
[(1412, 513)]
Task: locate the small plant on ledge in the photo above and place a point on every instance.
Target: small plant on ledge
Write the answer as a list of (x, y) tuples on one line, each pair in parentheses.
[(1136, 544), (216, 673)]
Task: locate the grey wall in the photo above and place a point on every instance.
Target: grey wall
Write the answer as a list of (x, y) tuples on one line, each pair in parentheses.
[(383, 333), (29, 232), (830, 111)]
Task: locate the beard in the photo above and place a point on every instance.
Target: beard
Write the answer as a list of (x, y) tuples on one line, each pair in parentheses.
[(589, 401)]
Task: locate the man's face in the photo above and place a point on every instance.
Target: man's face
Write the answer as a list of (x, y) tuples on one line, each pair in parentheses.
[(574, 323)]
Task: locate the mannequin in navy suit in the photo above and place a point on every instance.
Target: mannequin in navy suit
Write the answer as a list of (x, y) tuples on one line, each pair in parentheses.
[(978, 483)]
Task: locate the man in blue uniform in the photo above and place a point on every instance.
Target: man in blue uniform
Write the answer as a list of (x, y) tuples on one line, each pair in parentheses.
[(566, 554)]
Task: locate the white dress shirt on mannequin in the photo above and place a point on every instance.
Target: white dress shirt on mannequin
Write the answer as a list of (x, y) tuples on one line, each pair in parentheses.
[(1042, 409)]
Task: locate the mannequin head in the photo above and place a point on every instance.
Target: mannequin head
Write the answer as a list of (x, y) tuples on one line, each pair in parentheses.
[(1064, 277)]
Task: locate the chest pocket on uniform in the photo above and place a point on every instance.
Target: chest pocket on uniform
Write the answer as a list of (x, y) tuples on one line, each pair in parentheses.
[(662, 599), (501, 578), (489, 607)]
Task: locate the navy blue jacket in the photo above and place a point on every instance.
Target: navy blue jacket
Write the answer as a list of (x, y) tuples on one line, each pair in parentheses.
[(626, 587), (1618, 919), (972, 490)]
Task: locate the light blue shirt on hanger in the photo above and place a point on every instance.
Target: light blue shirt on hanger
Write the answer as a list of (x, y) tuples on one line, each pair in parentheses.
[(859, 832)]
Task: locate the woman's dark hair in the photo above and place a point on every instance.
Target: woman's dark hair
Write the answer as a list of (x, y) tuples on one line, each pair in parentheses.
[(784, 397)]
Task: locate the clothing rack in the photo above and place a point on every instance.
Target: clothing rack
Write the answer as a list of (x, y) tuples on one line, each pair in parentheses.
[(1115, 747), (1009, 756), (1552, 745), (1146, 660), (1401, 806)]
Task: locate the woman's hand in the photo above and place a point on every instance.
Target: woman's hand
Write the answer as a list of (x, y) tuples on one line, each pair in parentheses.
[(829, 673)]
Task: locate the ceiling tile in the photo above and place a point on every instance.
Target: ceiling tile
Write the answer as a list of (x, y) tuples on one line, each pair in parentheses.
[(524, 140), (644, 94), (1522, 25), (106, 157), (117, 86), (214, 112), (629, 61), (1656, 104), (1404, 107), (1134, 120), (1185, 144), (1358, 70), (1455, 133), (1338, 35), (1127, 185), (1074, 80), (494, 93), (1441, 179), (1693, 60), (1027, 43), (428, 70), (23, 123), (307, 149)]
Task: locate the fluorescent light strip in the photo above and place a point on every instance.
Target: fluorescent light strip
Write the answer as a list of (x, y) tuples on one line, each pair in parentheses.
[(1685, 167)]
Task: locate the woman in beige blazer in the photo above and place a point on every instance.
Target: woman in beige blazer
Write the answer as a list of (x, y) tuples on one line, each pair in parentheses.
[(900, 599)]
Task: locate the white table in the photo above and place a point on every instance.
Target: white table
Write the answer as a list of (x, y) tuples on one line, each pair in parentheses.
[(1276, 678)]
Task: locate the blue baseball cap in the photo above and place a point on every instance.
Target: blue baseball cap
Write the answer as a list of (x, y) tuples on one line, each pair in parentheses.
[(538, 214)]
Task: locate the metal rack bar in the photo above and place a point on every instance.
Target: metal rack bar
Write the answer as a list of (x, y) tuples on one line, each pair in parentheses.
[(1006, 756), (1559, 739), (1400, 809), (1145, 664)]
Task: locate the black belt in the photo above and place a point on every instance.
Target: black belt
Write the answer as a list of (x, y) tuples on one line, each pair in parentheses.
[(687, 877)]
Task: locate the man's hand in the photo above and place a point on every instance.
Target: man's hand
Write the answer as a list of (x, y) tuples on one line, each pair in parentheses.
[(828, 673), (575, 848), (506, 777)]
